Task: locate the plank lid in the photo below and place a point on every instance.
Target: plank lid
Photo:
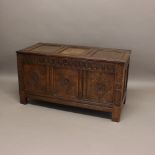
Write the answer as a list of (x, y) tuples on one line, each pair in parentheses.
[(94, 53)]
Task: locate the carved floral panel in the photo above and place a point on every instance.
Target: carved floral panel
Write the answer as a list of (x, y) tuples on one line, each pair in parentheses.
[(35, 77), (99, 87), (65, 82)]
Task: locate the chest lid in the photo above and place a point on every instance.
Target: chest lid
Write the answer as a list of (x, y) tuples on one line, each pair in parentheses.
[(93, 53)]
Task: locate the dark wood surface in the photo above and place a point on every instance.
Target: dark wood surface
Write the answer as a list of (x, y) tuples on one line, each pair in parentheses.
[(87, 77)]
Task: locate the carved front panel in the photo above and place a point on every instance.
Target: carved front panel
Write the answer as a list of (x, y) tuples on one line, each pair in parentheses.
[(35, 77), (64, 82), (99, 87)]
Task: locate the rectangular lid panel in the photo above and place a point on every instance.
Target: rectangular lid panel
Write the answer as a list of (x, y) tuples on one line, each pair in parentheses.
[(75, 52), (45, 49), (111, 55)]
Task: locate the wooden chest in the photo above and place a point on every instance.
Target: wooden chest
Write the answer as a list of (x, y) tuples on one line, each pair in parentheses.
[(86, 77)]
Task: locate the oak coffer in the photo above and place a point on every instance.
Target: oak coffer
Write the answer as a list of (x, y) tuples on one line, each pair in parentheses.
[(80, 76)]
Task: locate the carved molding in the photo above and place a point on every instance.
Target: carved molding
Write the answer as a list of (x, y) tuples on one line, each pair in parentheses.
[(119, 85), (70, 62)]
